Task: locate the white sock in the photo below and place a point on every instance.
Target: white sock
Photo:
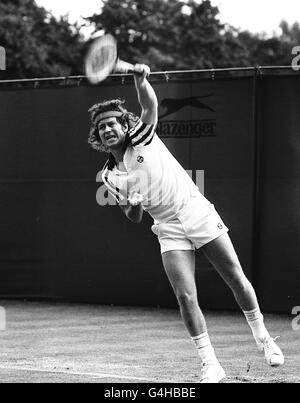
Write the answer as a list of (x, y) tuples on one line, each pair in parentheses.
[(204, 348), (255, 320)]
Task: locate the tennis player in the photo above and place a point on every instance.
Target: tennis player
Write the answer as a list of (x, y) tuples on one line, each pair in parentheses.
[(142, 175)]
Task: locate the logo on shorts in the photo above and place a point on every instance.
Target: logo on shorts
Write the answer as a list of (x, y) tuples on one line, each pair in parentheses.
[(140, 159), (220, 226)]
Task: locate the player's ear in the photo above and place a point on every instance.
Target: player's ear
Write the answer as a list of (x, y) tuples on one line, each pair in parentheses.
[(125, 127)]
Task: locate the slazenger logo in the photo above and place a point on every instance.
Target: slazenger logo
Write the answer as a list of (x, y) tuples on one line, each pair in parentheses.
[(175, 105), (186, 128), (2, 58)]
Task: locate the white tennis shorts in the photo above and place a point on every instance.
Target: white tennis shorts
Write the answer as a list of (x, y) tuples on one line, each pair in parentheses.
[(195, 226)]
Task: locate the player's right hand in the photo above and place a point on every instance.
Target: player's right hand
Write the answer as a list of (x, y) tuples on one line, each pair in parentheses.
[(142, 70)]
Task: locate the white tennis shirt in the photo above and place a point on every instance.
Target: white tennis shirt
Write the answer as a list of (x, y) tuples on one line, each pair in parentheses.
[(151, 170)]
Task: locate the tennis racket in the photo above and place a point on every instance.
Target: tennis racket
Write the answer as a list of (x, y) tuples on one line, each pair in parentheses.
[(102, 59)]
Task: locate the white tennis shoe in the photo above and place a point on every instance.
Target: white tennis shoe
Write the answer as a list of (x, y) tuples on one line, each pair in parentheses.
[(273, 354), (211, 372)]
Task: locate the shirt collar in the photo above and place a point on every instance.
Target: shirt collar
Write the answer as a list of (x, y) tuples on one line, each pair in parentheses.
[(111, 163)]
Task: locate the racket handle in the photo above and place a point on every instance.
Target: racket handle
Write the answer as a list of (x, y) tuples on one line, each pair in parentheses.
[(124, 67)]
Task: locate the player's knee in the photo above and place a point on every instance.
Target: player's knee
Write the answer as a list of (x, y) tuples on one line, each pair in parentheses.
[(187, 299)]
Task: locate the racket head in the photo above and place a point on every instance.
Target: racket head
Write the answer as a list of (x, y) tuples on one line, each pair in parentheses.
[(101, 59)]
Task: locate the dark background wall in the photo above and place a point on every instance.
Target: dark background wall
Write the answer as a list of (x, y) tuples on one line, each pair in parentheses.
[(278, 273), (57, 242)]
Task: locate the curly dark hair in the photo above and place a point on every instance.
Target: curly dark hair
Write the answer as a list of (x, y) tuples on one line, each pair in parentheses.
[(105, 106)]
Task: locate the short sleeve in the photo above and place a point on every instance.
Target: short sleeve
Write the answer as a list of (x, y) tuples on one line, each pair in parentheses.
[(142, 134)]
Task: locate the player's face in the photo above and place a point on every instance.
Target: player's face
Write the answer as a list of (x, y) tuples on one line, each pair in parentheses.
[(112, 133)]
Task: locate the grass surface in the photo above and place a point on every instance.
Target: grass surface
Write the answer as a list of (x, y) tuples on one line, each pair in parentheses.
[(68, 343)]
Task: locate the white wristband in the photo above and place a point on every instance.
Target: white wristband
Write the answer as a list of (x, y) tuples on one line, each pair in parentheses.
[(135, 199)]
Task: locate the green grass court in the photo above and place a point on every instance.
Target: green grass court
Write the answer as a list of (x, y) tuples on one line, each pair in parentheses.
[(71, 343)]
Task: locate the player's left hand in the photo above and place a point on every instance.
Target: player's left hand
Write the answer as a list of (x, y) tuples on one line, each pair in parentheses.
[(135, 198)]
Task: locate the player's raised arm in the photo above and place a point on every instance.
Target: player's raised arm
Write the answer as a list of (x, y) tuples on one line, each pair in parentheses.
[(146, 94)]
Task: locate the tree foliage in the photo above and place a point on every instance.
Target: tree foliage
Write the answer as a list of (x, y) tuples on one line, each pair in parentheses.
[(166, 34), (273, 51), (172, 34), (177, 34), (37, 44)]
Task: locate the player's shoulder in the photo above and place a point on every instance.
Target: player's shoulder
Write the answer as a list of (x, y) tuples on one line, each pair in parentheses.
[(142, 133)]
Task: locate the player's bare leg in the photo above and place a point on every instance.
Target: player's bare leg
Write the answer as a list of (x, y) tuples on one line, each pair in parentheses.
[(222, 255), (180, 269)]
